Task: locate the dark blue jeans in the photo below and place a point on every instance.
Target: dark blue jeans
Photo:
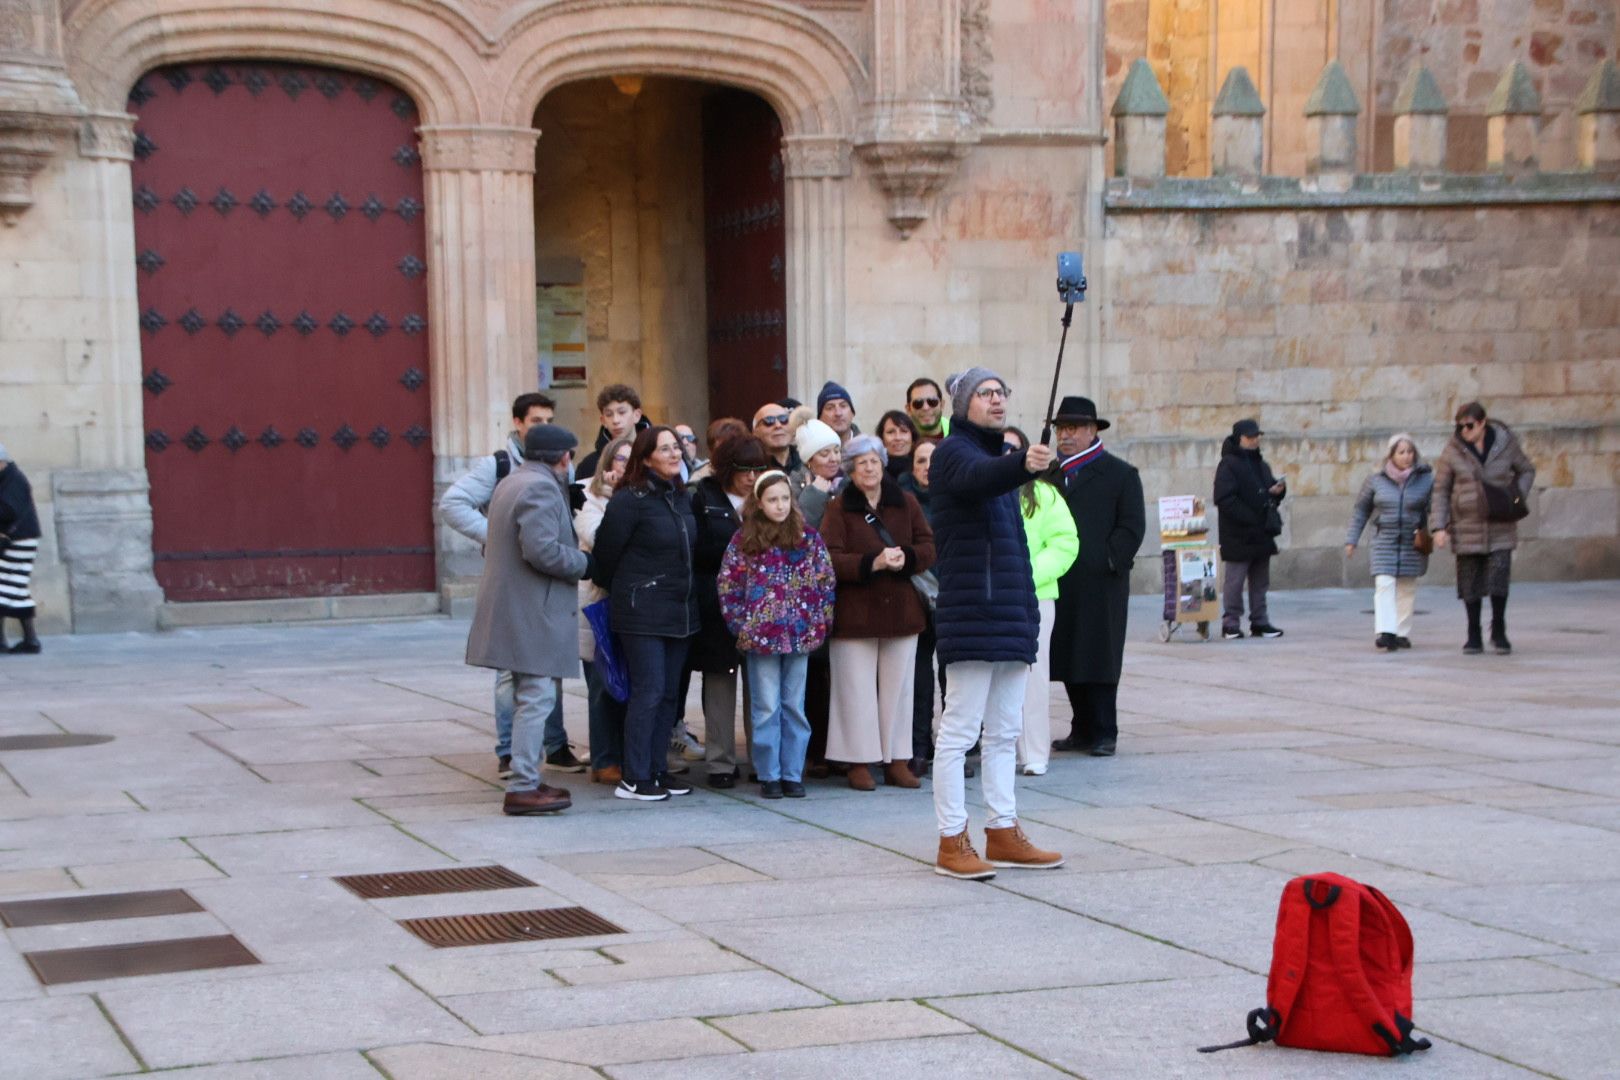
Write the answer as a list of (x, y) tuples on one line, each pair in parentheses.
[(655, 665), (606, 719)]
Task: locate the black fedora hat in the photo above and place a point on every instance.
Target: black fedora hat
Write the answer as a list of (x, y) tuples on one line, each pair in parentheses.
[(1079, 410)]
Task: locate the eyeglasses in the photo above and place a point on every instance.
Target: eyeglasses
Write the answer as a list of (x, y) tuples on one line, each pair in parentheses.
[(925, 403), (687, 438), (1468, 425), (990, 393), (774, 421)]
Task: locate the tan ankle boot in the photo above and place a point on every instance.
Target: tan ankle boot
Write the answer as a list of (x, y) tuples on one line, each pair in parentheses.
[(957, 859), (898, 774), (860, 778), (1011, 848)]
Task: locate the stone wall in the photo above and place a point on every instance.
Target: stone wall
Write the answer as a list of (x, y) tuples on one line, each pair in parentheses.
[(1338, 326), (619, 192)]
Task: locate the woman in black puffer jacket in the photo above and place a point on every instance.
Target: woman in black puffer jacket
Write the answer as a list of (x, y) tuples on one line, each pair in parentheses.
[(716, 500), (644, 560)]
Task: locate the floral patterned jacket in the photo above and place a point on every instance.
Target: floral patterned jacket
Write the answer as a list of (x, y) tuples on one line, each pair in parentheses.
[(779, 602)]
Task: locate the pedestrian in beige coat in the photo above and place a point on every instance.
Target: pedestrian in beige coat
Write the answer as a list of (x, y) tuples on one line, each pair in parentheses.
[(1482, 464), (527, 618)]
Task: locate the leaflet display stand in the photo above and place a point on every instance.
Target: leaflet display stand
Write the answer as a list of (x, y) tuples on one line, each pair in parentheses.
[(1192, 592)]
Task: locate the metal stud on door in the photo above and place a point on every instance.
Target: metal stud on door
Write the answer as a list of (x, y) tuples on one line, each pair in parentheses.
[(279, 209)]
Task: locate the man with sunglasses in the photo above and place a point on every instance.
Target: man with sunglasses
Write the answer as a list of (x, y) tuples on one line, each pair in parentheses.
[(771, 427), (925, 406)]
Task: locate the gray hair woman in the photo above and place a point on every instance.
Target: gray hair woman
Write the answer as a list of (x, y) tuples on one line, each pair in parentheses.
[(19, 546), (1396, 499), (877, 537)]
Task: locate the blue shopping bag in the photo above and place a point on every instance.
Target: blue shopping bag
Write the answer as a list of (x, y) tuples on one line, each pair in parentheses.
[(609, 660)]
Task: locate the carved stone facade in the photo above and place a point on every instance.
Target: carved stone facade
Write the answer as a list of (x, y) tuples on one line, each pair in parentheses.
[(935, 155)]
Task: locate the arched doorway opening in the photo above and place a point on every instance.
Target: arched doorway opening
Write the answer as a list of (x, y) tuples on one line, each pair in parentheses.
[(281, 280), (660, 244)]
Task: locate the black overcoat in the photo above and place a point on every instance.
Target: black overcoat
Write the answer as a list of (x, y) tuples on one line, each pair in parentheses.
[(1088, 633), (1243, 482), (714, 649)]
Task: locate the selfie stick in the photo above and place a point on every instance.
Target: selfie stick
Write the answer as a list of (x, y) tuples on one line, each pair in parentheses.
[(1071, 286)]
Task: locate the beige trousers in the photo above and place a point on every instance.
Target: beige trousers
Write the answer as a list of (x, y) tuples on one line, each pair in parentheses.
[(872, 681), (1035, 741)]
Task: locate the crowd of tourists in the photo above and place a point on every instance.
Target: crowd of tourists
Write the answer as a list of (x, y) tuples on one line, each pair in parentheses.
[(842, 583)]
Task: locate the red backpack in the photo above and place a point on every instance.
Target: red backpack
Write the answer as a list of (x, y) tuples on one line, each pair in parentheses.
[(1341, 973)]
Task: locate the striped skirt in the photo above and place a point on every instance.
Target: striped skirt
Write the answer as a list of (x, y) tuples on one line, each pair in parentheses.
[(16, 567)]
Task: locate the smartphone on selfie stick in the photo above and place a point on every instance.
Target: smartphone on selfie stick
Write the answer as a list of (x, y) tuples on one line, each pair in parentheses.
[(1071, 286)]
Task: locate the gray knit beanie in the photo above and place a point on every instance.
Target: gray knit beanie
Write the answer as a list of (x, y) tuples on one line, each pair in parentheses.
[(962, 387)]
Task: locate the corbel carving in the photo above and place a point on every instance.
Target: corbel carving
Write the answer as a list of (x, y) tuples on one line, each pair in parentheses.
[(39, 109), (911, 168)]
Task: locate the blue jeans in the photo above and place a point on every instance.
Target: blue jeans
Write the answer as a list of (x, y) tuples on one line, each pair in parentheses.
[(607, 721), (781, 731), (533, 696), (655, 665), (505, 705)]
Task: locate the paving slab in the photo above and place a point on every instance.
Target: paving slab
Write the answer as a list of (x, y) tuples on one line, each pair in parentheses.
[(276, 1016), (836, 1025), (425, 1061), (968, 1057), (1552, 1033), (618, 1044), (37, 1046), (349, 1065)]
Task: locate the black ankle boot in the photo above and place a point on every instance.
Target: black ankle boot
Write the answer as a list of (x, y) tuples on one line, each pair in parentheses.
[(1499, 639), (1474, 643)]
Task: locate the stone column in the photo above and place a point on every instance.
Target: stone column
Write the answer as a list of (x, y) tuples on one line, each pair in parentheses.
[(103, 508), (482, 336), (1237, 141), (1599, 110), (1139, 124), (39, 108), (815, 169), (1514, 113), (1420, 123), (918, 126), (1330, 125)]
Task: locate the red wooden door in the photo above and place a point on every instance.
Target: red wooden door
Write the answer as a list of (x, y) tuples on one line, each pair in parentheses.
[(281, 258), (745, 253)]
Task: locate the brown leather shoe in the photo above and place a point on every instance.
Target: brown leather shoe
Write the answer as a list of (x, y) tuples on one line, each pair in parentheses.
[(899, 775), (957, 859), (610, 775), (542, 800), (860, 778), (1009, 847)]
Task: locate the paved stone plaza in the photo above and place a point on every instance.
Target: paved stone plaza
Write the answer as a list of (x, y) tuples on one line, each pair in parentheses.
[(811, 939)]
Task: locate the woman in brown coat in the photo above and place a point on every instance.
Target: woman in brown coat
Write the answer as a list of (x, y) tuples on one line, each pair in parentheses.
[(1483, 455), (877, 537)]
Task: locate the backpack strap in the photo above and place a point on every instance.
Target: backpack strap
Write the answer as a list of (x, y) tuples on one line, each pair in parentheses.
[(1289, 957), (1344, 942), (503, 465)]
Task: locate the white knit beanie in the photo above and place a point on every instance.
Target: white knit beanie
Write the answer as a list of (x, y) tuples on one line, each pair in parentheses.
[(813, 437)]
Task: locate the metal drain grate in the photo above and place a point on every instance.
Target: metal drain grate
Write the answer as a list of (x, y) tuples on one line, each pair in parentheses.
[(145, 958), (433, 882), (50, 742), (76, 909), (501, 926)]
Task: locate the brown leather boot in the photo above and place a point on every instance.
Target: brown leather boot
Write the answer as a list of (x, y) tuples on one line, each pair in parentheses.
[(542, 800), (1011, 848), (898, 774), (957, 859), (610, 775), (860, 778)]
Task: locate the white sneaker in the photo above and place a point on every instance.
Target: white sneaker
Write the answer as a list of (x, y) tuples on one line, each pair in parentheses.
[(684, 743), (1032, 770)]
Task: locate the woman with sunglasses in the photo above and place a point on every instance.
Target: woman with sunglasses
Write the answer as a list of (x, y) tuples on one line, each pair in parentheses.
[(1482, 486), (644, 561)]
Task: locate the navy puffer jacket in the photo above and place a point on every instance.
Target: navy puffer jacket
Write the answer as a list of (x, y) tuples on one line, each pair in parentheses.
[(986, 608)]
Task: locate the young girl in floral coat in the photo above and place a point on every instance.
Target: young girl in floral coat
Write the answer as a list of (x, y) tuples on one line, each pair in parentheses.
[(776, 592)]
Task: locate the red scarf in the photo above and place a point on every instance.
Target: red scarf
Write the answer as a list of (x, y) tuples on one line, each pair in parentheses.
[(1085, 457)]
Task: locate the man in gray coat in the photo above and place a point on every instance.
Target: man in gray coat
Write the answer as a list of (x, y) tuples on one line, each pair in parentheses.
[(527, 619)]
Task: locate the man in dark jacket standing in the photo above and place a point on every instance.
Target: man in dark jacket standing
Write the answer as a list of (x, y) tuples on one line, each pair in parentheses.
[(986, 624), (527, 619), (1088, 641), (1247, 496)]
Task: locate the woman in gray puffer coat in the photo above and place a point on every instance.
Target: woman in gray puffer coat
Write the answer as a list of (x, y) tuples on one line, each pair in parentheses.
[(1396, 498)]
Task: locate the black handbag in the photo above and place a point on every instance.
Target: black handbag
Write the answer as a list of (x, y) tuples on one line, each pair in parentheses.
[(1274, 523), (1504, 505)]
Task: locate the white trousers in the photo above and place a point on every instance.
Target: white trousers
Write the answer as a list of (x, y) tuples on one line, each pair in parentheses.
[(869, 718), (1035, 741), (979, 695), (1393, 600)]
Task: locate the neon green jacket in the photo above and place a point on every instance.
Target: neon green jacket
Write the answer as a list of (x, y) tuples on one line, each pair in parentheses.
[(1054, 542)]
